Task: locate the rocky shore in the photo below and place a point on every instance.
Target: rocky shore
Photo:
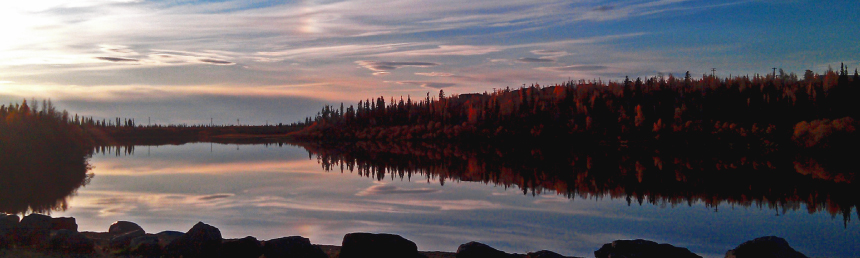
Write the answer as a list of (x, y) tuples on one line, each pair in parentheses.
[(37, 235)]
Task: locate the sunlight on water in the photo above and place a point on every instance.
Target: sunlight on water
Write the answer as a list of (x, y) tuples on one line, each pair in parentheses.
[(271, 191)]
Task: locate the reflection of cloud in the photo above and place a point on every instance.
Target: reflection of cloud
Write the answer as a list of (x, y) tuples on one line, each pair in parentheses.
[(426, 84), (390, 189), (382, 66), (448, 204), (331, 205), (168, 168)]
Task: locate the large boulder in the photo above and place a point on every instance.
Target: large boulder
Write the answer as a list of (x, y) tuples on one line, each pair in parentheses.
[(165, 237), (68, 241), (8, 225), (64, 223), (202, 240), (146, 246), (8, 221), (546, 254), (294, 246), (5, 242), (357, 245), (120, 243), (480, 250), (34, 229), (122, 227), (642, 249), (248, 247), (764, 247)]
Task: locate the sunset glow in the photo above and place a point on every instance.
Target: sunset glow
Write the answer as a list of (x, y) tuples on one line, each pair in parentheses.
[(291, 57)]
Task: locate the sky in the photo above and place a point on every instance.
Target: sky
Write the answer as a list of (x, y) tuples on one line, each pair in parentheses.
[(258, 61)]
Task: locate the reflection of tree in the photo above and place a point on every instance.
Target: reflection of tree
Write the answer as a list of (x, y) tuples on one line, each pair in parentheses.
[(42, 180), (43, 158), (646, 177)]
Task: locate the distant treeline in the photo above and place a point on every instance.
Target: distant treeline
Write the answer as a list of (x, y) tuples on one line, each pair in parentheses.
[(782, 182), (743, 112)]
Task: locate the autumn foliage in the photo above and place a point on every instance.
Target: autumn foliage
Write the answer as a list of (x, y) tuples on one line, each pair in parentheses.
[(747, 112)]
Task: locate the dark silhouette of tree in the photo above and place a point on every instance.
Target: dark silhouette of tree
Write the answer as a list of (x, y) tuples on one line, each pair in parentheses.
[(756, 112)]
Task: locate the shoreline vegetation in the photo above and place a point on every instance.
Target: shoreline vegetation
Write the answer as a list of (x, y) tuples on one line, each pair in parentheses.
[(37, 235), (760, 114)]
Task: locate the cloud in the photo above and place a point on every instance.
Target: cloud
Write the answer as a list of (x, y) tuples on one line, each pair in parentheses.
[(426, 84), (435, 74), (383, 66), (216, 61), (117, 59), (214, 197), (535, 60), (604, 8), (448, 50), (574, 68), (118, 50), (549, 53), (390, 189)]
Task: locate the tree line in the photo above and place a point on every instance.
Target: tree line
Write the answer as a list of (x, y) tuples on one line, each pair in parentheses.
[(759, 111)]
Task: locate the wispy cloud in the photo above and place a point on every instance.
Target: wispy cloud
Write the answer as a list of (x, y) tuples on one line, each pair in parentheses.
[(535, 60), (574, 68), (118, 59), (427, 84), (435, 74), (386, 66)]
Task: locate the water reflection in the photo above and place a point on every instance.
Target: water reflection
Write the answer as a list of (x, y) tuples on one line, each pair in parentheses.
[(41, 180), (778, 183), (443, 196)]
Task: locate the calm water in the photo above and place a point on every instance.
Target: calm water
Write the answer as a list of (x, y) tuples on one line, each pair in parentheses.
[(271, 191)]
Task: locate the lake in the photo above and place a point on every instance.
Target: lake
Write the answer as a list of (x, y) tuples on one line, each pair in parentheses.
[(271, 191)]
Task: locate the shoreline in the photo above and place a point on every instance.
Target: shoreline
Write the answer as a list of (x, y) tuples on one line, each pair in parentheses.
[(37, 235)]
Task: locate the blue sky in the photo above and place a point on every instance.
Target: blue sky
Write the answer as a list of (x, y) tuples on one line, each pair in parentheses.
[(182, 61)]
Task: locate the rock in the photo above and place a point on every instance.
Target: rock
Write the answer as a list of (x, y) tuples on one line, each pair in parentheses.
[(202, 240), (765, 247), (5, 242), (546, 254), (34, 229), (642, 249), (120, 243), (479, 250), (248, 247), (165, 237), (294, 246), (8, 225), (69, 241), (122, 227), (357, 245), (8, 221), (64, 223), (146, 246)]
